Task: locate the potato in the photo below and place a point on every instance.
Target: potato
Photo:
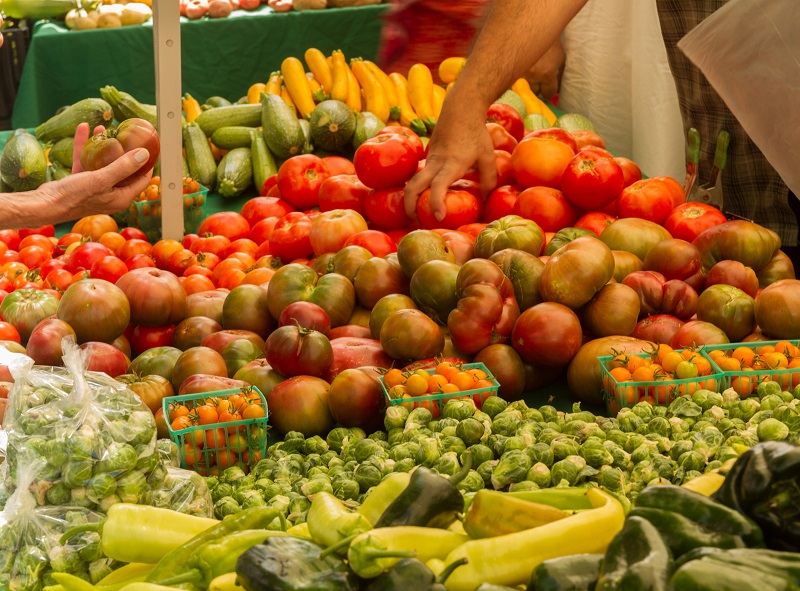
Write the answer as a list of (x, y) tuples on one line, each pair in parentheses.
[(136, 13), (219, 8), (84, 23), (309, 4), (109, 21)]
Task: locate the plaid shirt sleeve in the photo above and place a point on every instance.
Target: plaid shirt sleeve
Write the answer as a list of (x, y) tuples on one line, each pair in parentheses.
[(751, 188)]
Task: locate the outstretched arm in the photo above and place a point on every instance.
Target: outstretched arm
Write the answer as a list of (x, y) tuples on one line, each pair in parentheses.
[(515, 34)]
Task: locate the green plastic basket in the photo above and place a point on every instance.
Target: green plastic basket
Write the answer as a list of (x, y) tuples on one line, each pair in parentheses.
[(247, 438), (620, 395), (745, 382), (146, 215), (435, 402)]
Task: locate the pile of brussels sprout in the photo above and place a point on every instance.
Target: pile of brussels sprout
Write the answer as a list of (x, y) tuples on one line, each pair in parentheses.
[(515, 447)]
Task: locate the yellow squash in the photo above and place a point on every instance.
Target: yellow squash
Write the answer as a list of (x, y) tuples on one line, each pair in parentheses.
[(294, 77), (532, 102), (274, 83), (318, 65), (408, 116), (191, 108), (438, 99), (353, 91), (254, 93), (450, 68), (420, 93), (340, 80), (388, 88), (377, 102)]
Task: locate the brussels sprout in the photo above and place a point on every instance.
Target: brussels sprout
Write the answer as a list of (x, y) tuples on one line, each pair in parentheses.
[(58, 494), (612, 479), (564, 446), (523, 486), (643, 410), (480, 454), (679, 448), (747, 408), (64, 559), (506, 422), (519, 405), (472, 482), (660, 426), (101, 486), (447, 464), (336, 438), (705, 399), (628, 421), (404, 465), (564, 473), (771, 401), (428, 452), (691, 460), (299, 505), (768, 388), (470, 431), (76, 473), (527, 427), (759, 417), (591, 430), (442, 424), (240, 496), (223, 490), (395, 417), (539, 474), (346, 489), (772, 430), (684, 407), (486, 469), (512, 467), (367, 448), (377, 436), (596, 456), (104, 504), (573, 428), (664, 466), (233, 473), (493, 406), (418, 417), (634, 441), (618, 437), (315, 445), (496, 443), (548, 412), (515, 442), (452, 444), (726, 453), (540, 453), (394, 436)]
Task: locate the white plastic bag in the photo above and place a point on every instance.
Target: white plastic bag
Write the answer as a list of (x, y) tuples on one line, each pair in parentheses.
[(750, 52)]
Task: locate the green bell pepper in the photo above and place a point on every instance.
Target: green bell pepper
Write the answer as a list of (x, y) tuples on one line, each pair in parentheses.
[(578, 572), (636, 560)]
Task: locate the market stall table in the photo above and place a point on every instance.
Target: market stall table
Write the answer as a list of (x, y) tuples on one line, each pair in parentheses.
[(220, 56)]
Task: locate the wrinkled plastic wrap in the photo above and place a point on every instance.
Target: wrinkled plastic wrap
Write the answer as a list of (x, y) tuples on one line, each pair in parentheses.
[(184, 491), (617, 74), (96, 437), (30, 547), (750, 52)]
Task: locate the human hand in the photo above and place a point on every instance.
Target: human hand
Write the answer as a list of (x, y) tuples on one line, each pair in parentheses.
[(81, 137), (459, 142), (1, 33), (545, 75)]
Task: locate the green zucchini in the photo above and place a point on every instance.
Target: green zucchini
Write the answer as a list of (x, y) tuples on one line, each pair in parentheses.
[(216, 101), (94, 111), (234, 173), (61, 152), (126, 106), (214, 119), (263, 161), (23, 165), (367, 126), (4, 188), (199, 158), (59, 171), (308, 146), (232, 136), (282, 131)]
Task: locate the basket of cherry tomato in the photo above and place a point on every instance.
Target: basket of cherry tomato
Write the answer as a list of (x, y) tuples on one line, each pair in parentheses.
[(144, 212), (214, 430), (657, 377), (745, 365), (432, 387)]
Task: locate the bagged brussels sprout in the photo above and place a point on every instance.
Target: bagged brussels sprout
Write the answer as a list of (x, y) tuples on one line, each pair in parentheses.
[(184, 491), (90, 430), (168, 452), (30, 546)]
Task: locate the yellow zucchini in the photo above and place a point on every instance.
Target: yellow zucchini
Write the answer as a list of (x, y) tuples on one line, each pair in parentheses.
[(408, 116), (439, 93), (274, 84), (353, 91), (191, 108), (450, 68), (317, 91), (287, 98), (388, 88), (532, 102), (318, 65), (340, 81), (376, 101), (420, 93), (254, 93), (294, 77)]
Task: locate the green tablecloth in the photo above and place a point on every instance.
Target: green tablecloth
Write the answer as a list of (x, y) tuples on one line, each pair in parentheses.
[(220, 57)]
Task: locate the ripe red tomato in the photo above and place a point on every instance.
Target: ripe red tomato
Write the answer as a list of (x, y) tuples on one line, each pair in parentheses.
[(47, 231), (9, 333), (307, 315), (110, 268), (648, 199), (290, 237), (163, 250), (630, 171), (540, 162), (689, 220), (214, 244), (299, 180), (225, 223), (149, 337), (592, 179), (331, 229), (378, 243), (595, 221), (386, 161), (678, 195), (338, 165), (262, 229), (463, 207), (500, 202), (584, 138), (547, 207), (508, 117), (501, 138), (555, 133), (139, 261), (10, 238), (270, 184), (51, 265), (503, 170), (412, 137), (85, 255), (132, 247), (259, 208), (343, 191), (385, 209), (133, 234), (156, 297), (33, 257)]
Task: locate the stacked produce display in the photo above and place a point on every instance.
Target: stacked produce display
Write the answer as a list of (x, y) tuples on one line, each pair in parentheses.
[(355, 394)]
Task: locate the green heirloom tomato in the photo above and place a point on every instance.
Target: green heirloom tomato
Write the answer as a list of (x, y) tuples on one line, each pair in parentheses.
[(576, 271), (728, 308), (379, 277), (633, 235), (737, 240), (420, 246), (25, 308), (158, 360), (334, 293), (511, 231), (524, 270), (410, 334), (433, 289)]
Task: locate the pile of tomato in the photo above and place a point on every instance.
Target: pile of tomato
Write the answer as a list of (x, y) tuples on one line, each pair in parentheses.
[(752, 365)]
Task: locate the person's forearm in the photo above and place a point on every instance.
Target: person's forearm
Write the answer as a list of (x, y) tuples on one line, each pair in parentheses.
[(514, 35), (29, 209)]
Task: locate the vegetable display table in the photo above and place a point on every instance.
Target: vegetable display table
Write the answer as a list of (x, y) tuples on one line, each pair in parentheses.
[(220, 56)]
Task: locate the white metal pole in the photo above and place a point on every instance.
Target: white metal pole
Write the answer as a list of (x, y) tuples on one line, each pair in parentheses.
[(167, 49)]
